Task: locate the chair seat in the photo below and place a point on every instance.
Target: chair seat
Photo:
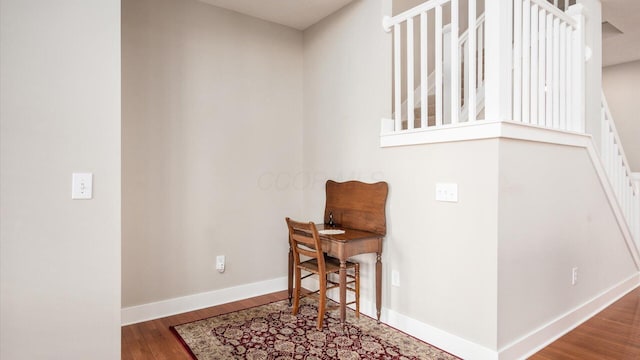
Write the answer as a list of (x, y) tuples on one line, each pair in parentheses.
[(332, 265)]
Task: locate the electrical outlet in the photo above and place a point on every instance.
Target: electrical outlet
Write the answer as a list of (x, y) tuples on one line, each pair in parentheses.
[(395, 278), (574, 275), (220, 263), (447, 192)]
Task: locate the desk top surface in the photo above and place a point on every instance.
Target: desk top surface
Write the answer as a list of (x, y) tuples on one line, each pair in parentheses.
[(349, 234)]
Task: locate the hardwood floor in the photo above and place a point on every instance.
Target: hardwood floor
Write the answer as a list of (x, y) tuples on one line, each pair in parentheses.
[(612, 334), (152, 340)]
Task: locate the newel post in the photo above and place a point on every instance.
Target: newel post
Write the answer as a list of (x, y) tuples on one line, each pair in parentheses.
[(498, 59), (592, 20), (579, 75)]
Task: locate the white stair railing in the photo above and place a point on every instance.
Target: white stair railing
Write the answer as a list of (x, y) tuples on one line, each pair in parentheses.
[(406, 21), (472, 102), (464, 57), (619, 173), (548, 65)]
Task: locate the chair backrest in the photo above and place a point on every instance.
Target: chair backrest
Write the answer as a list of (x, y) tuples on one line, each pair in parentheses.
[(304, 240), (357, 205)]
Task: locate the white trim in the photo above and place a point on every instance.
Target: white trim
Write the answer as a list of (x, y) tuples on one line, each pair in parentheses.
[(546, 334), (453, 344), (625, 227), (483, 129), (441, 339), (155, 310), (440, 134)]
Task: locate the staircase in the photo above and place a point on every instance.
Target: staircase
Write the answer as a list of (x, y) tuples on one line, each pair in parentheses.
[(546, 80)]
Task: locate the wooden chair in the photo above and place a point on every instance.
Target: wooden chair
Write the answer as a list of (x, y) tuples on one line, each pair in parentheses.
[(305, 241)]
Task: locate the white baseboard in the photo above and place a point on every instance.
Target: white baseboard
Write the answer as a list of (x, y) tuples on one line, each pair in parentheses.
[(450, 343), (155, 310), (443, 340), (545, 335)]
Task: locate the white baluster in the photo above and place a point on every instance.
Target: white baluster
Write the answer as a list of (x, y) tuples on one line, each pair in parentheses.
[(447, 65), (470, 63), (604, 144), (410, 82), (562, 83), (424, 71), (455, 62), (438, 60), (466, 72), (556, 73), (571, 91), (517, 60), (526, 60), (534, 65), (542, 58), (549, 75), (397, 73), (480, 72)]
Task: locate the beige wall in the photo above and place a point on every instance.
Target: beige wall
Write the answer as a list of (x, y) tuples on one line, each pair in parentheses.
[(620, 84), (548, 224), (212, 121), (442, 265), (59, 114)]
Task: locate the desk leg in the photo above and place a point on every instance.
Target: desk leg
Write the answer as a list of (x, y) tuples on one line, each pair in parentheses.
[(343, 290), (290, 279), (378, 285)]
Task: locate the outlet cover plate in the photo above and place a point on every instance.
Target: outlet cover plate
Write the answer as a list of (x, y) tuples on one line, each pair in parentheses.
[(447, 192)]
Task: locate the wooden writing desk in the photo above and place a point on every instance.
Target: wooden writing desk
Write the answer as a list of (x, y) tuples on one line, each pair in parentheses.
[(358, 209)]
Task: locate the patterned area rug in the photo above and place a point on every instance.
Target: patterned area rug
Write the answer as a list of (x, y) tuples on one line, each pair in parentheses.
[(271, 332)]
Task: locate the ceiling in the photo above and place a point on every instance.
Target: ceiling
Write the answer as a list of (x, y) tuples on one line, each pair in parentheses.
[(623, 45), (298, 14)]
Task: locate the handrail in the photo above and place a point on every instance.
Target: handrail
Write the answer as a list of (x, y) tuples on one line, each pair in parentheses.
[(616, 137), (388, 21), (618, 171), (465, 35), (555, 11)]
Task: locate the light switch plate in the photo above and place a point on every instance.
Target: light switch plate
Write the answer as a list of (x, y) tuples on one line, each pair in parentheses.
[(447, 192), (220, 263), (395, 278), (82, 186)]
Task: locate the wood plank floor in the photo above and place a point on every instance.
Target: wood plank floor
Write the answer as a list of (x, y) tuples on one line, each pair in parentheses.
[(612, 334), (152, 340)]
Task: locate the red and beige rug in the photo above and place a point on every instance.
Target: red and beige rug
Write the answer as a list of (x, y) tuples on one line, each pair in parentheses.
[(271, 332)]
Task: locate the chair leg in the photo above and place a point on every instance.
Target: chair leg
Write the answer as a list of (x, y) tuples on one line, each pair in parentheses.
[(357, 270), (296, 291), (322, 301)]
